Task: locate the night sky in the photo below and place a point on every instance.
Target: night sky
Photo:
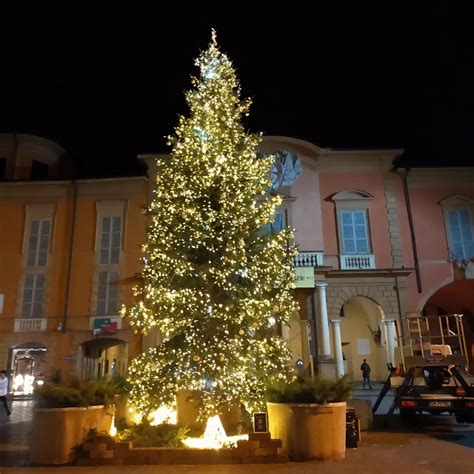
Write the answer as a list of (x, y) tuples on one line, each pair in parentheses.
[(107, 82)]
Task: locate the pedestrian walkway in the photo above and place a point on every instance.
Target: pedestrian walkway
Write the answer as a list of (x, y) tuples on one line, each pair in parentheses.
[(15, 432), (379, 452), (358, 393)]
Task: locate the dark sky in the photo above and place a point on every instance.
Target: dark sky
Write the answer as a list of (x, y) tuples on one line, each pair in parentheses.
[(107, 81)]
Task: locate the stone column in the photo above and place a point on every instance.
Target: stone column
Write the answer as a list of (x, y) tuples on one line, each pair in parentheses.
[(324, 347), (336, 330), (390, 339)]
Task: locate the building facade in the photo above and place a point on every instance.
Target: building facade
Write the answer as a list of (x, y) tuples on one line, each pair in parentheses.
[(69, 256), (377, 242), (382, 242)]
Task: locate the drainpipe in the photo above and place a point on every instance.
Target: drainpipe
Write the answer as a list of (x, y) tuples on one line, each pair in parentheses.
[(71, 247), (412, 229), (397, 291)]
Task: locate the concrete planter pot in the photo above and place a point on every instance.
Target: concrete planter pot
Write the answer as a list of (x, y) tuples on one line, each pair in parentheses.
[(309, 430), (58, 431)]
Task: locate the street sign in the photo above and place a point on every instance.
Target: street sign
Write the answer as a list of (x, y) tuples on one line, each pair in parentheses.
[(260, 424), (304, 277)]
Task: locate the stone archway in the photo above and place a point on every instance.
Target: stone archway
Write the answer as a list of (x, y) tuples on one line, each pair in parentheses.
[(431, 291), (383, 294), (377, 297), (363, 337), (456, 297)]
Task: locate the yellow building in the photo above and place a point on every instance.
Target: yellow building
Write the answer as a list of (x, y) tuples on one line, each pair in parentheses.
[(69, 257)]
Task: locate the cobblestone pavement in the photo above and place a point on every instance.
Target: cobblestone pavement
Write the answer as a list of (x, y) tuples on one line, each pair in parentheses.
[(379, 453), (437, 446), (15, 433)]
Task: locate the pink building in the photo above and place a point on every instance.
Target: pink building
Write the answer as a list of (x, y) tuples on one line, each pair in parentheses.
[(377, 242)]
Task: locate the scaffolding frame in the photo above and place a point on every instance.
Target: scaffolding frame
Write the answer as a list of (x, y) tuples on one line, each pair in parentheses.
[(425, 333)]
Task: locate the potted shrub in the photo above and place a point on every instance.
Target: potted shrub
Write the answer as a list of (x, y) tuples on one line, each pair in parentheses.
[(66, 414), (309, 416)]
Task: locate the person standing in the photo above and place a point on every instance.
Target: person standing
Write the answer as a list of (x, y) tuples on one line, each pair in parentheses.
[(366, 373), (4, 390)]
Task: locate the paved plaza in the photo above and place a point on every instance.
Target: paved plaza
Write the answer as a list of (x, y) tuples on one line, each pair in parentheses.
[(438, 445)]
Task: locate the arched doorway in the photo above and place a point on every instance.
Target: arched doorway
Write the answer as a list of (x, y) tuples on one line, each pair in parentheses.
[(363, 337), (26, 364), (103, 357), (456, 298)]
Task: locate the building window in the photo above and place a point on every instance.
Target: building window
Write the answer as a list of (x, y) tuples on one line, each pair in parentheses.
[(33, 296), (354, 232), (460, 233), (38, 242), (352, 211), (107, 293), (278, 224), (110, 240)]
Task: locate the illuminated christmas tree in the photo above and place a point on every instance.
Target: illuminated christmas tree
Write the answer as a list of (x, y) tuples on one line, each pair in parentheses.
[(215, 284)]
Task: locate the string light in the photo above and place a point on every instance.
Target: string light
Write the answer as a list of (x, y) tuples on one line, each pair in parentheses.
[(212, 278)]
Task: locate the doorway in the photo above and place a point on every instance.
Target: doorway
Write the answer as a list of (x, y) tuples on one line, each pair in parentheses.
[(27, 365)]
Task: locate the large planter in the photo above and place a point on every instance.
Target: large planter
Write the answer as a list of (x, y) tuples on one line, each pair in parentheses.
[(309, 431), (57, 432)]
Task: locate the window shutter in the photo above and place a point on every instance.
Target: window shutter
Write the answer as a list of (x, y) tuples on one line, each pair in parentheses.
[(38, 296), (33, 243), (112, 299), (354, 232), (43, 245), (38, 243), (110, 241), (278, 224), (460, 230), (107, 293), (105, 241), (275, 226), (102, 294), (33, 296), (27, 295), (116, 239), (347, 233), (360, 232)]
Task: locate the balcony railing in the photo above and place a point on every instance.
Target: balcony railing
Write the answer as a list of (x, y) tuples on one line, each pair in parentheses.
[(357, 262), (30, 325), (312, 258)]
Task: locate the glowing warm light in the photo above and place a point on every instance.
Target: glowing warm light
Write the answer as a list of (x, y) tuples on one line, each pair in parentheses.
[(135, 416), (113, 428), (213, 271), (23, 384), (214, 437), (164, 414)]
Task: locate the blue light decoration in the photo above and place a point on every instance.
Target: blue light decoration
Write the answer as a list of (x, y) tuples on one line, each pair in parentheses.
[(285, 170), (203, 136), (299, 364), (209, 72)]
